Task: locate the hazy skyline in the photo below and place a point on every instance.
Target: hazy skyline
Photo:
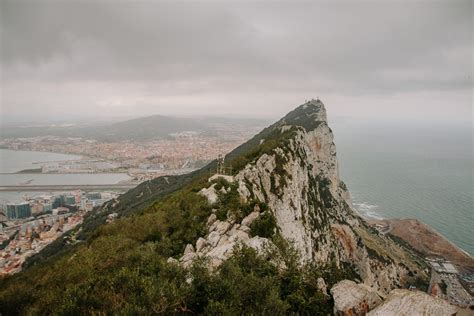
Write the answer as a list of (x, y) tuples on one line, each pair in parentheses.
[(401, 60)]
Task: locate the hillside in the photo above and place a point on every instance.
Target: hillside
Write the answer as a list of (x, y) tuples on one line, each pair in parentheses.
[(273, 236)]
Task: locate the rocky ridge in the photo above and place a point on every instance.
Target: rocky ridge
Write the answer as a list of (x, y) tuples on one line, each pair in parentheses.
[(295, 173)]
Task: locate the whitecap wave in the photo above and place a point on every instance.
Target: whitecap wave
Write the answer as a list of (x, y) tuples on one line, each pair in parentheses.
[(367, 210)]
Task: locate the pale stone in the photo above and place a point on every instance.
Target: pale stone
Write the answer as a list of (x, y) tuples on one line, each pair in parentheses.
[(224, 240), (211, 219), (189, 249), (258, 243), (210, 194), (200, 244), (322, 285), (351, 298), (229, 179), (245, 229), (214, 225), (239, 236), (243, 191), (222, 227), (405, 302), (213, 238), (249, 219), (187, 259)]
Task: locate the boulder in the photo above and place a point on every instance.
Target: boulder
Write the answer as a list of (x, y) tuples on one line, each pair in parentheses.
[(229, 179), (210, 194), (322, 285), (211, 220), (245, 229), (200, 244), (405, 302), (189, 249), (224, 240), (351, 298), (239, 235), (258, 243), (187, 259), (213, 238), (222, 227)]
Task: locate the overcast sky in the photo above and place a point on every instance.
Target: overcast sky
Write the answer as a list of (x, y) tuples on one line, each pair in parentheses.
[(371, 60)]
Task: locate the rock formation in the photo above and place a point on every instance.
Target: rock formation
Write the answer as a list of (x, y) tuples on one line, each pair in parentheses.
[(295, 172), (354, 299), (405, 302)]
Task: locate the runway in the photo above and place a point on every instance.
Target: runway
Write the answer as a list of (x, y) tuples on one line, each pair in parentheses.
[(83, 187)]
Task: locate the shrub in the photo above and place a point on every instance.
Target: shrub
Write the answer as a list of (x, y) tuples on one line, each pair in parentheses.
[(264, 226)]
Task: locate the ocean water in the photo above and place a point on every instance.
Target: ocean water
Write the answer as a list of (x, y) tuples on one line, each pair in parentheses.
[(411, 170), (12, 161), (17, 160)]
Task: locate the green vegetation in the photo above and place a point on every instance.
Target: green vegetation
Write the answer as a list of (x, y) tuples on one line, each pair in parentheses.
[(123, 268), (266, 143), (264, 226)]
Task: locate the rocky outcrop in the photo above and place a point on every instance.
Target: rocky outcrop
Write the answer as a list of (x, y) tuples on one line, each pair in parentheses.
[(359, 299), (295, 174), (405, 302), (299, 180), (222, 238), (354, 299)]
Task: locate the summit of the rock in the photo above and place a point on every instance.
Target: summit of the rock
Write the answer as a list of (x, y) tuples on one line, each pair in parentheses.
[(308, 115)]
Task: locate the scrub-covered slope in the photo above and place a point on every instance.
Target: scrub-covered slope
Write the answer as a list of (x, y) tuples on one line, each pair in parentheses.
[(271, 237)]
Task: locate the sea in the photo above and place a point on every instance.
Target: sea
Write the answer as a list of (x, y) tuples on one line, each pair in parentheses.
[(13, 161), (421, 170)]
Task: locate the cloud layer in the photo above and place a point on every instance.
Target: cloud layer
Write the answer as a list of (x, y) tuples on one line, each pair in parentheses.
[(243, 58)]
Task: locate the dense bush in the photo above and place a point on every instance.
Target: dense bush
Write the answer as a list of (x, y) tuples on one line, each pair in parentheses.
[(264, 226)]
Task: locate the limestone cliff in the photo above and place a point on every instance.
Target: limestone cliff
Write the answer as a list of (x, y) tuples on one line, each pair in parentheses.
[(293, 169)]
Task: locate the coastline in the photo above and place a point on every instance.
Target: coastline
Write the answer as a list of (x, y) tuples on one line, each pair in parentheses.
[(374, 218), (425, 239)]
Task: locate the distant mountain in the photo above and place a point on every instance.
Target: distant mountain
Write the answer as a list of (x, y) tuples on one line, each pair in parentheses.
[(156, 126), (144, 128)]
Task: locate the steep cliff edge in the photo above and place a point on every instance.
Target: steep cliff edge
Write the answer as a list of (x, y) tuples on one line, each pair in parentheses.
[(271, 236), (294, 172)]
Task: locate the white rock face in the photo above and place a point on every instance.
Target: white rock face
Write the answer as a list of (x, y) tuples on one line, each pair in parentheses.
[(299, 182), (211, 220), (213, 238), (200, 244), (311, 156), (405, 302), (210, 194), (351, 298), (189, 249)]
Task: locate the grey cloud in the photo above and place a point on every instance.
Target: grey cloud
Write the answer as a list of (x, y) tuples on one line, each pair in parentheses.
[(350, 48)]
